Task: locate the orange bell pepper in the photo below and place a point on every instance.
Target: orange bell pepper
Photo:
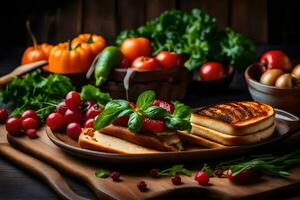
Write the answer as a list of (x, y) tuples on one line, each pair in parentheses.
[(36, 52), (65, 58), (91, 42)]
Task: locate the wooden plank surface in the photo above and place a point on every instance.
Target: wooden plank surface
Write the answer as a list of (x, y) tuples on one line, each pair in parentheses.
[(84, 171)]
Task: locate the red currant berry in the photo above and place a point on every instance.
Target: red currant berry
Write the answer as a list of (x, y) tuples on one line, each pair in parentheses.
[(29, 123), (73, 100), (115, 176), (142, 186), (73, 130), (154, 173), (176, 180), (92, 112), (55, 121), (31, 133)]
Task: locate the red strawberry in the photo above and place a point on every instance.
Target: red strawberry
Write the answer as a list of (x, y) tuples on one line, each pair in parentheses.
[(122, 121), (163, 104), (153, 125)]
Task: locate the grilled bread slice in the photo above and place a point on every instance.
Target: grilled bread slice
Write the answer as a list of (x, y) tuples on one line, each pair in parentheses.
[(162, 143), (95, 140), (231, 140), (235, 118)]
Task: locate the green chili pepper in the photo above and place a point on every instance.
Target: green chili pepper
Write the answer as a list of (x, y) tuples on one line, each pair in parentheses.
[(109, 58)]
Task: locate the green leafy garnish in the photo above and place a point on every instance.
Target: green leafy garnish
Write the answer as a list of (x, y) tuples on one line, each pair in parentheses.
[(178, 120), (196, 35), (102, 173), (176, 169), (37, 92), (207, 169), (90, 92)]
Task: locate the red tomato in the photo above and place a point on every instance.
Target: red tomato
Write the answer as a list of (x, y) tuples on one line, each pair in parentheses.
[(211, 71), (14, 126), (136, 47), (61, 107), (89, 123), (145, 63), (73, 116), (169, 107), (92, 112), (243, 177), (202, 178), (168, 59), (276, 59), (153, 125)]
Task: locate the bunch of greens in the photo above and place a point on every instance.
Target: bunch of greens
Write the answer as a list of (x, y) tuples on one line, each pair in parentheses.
[(178, 120), (34, 91), (196, 35)]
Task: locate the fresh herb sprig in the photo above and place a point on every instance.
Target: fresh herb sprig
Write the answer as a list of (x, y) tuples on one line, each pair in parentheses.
[(267, 163), (178, 120), (34, 91), (90, 92), (176, 169)]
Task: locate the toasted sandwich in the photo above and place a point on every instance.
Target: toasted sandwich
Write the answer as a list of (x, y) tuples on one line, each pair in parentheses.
[(236, 118)]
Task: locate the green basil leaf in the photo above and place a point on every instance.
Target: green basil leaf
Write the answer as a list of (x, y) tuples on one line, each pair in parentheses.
[(145, 99), (176, 123), (89, 92), (181, 110), (155, 112), (106, 117), (118, 104), (128, 111), (102, 173), (176, 169), (135, 122)]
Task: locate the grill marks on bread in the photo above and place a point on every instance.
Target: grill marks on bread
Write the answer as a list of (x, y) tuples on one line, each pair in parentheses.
[(234, 112)]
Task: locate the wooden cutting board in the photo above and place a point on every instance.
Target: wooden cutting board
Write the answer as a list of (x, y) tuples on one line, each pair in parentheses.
[(84, 170)]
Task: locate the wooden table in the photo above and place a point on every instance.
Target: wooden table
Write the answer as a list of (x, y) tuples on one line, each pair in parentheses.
[(17, 184)]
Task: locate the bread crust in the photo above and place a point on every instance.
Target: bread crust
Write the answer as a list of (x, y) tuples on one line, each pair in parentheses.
[(231, 140), (146, 140), (194, 139), (89, 139)]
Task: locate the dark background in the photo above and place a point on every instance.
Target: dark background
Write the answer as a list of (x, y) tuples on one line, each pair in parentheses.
[(266, 21)]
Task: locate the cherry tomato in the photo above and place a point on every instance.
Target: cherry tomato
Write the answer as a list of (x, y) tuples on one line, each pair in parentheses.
[(168, 59), (73, 130), (202, 178), (276, 59), (3, 115), (29, 123), (125, 63), (169, 107), (73, 116), (31, 133), (153, 125), (92, 112), (73, 100), (55, 121), (89, 123), (29, 113), (136, 47), (61, 108), (14, 126), (211, 71), (122, 121), (145, 63)]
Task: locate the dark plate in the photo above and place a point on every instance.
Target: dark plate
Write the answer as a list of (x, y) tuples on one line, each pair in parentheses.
[(286, 125)]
